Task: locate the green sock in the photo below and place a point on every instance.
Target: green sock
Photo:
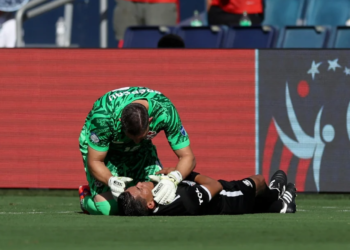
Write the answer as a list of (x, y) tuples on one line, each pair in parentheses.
[(109, 207), (90, 206)]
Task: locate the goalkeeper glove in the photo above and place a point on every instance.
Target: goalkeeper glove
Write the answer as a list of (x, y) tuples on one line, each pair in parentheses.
[(117, 185), (164, 192)]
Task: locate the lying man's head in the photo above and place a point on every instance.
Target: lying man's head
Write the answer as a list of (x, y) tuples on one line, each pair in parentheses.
[(137, 200)]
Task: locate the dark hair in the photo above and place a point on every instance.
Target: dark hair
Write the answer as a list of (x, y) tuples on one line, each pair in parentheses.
[(171, 41), (129, 206), (134, 119)]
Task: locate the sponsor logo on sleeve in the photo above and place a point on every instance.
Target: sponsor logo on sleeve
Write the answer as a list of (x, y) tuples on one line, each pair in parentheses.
[(94, 138), (183, 131), (200, 196)]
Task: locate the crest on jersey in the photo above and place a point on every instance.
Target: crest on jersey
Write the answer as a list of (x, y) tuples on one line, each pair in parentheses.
[(150, 135), (94, 138), (98, 183), (183, 131)]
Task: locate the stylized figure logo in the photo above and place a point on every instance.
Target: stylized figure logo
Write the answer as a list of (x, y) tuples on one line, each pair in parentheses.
[(303, 116), (305, 146)]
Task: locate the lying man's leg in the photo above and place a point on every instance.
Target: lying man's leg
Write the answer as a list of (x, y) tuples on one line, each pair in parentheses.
[(278, 197), (252, 195), (266, 196)]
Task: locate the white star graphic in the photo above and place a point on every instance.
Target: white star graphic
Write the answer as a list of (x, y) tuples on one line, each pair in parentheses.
[(347, 71), (333, 64), (314, 69)]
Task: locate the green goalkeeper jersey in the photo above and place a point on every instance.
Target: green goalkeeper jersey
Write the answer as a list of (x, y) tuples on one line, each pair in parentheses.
[(102, 128)]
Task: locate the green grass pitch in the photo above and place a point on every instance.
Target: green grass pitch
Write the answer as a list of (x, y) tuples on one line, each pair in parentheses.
[(52, 220)]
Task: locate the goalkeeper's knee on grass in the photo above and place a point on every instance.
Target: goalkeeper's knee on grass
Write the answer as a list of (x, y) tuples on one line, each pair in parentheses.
[(109, 207)]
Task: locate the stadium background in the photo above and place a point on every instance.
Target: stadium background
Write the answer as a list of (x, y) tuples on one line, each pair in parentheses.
[(41, 31), (247, 111), (44, 107), (229, 101)]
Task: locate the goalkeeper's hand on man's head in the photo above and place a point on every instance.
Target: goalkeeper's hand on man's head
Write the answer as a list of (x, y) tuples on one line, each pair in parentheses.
[(117, 185), (164, 192)]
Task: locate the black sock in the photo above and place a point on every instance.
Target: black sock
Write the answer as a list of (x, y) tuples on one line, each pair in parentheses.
[(265, 200), (276, 206), (271, 195)]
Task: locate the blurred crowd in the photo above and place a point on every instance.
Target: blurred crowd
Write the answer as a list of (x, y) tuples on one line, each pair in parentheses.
[(150, 13)]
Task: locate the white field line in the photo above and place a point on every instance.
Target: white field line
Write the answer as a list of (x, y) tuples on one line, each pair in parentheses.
[(59, 212)]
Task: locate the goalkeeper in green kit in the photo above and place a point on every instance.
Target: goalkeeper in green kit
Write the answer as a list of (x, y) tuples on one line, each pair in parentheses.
[(117, 149)]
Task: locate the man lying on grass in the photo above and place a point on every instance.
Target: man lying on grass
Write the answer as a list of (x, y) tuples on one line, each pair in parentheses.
[(201, 195)]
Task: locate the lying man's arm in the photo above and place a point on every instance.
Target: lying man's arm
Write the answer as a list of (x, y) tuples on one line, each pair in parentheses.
[(192, 196), (212, 185)]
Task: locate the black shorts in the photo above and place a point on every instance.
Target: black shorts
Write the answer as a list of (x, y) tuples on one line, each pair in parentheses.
[(237, 197)]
